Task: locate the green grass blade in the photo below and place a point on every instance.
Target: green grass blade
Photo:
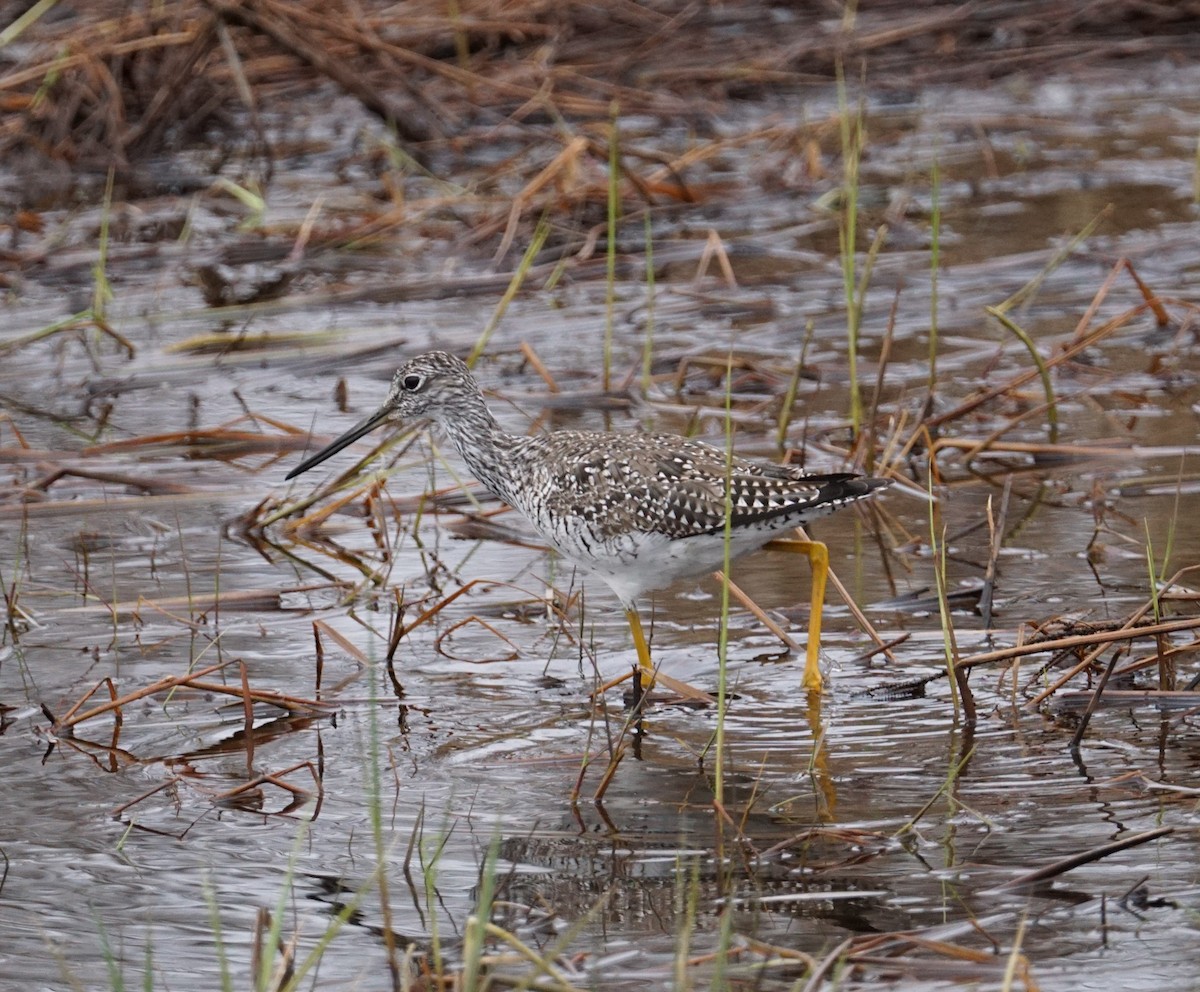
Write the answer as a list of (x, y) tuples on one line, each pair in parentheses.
[(541, 232), (1043, 371)]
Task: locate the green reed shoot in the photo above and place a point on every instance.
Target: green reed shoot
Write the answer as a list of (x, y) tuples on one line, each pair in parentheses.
[(189, 594), (1158, 579), (1043, 371), (13, 613), (543, 958), (935, 253), (266, 964), (475, 933), (687, 893), (1158, 575), (937, 548), (214, 924), (789, 399), (648, 340), (102, 293), (1026, 292), (462, 43), (852, 142), (1154, 575), (148, 967), (610, 258), (312, 959), (250, 197), (542, 961), (723, 630), (375, 809), (540, 233), (430, 855), (720, 979), (1172, 524), (402, 163), (1196, 173), (116, 979), (26, 20), (953, 771), (1016, 958)]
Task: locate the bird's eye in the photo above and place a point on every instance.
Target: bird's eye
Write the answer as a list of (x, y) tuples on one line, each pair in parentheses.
[(413, 382)]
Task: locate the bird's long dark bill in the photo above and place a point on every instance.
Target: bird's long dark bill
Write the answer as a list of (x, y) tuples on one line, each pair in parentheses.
[(352, 435)]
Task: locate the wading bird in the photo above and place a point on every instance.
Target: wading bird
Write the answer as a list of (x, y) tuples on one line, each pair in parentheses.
[(637, 510)]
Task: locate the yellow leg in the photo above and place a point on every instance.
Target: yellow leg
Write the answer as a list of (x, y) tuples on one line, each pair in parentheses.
[(646, 667), (643, 649), (818, 557)]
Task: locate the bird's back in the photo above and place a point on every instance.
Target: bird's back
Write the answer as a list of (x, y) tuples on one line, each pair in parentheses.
[(586, 490)]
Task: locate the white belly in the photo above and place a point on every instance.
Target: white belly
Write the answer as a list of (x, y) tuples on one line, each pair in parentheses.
[(640, 562)]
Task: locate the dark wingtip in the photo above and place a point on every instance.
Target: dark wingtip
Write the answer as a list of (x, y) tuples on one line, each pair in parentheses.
[(848, 488), (867, 484)]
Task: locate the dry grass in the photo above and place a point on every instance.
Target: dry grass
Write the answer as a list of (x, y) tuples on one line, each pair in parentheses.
[(115, 85)]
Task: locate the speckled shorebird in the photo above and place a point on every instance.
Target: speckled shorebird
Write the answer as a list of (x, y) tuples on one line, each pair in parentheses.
[(638, 510)]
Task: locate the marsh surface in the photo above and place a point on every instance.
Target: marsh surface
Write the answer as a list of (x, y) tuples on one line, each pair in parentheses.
[(146, 532)]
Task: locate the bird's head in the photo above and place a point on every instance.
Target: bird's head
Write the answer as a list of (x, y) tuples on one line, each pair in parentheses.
[(433, 386), (428, 387)]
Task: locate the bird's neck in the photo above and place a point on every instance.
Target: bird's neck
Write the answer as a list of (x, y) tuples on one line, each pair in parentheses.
[(484, 446)]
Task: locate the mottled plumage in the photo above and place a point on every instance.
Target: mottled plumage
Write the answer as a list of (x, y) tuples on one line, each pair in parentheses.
[(638, 510)]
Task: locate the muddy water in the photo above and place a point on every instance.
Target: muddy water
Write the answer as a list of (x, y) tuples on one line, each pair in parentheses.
[(868, 812)]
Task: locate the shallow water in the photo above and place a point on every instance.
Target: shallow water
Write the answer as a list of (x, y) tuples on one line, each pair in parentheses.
[(115, 570)]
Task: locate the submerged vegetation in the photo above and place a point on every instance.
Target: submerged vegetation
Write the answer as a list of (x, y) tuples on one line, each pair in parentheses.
[(351, 733)]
